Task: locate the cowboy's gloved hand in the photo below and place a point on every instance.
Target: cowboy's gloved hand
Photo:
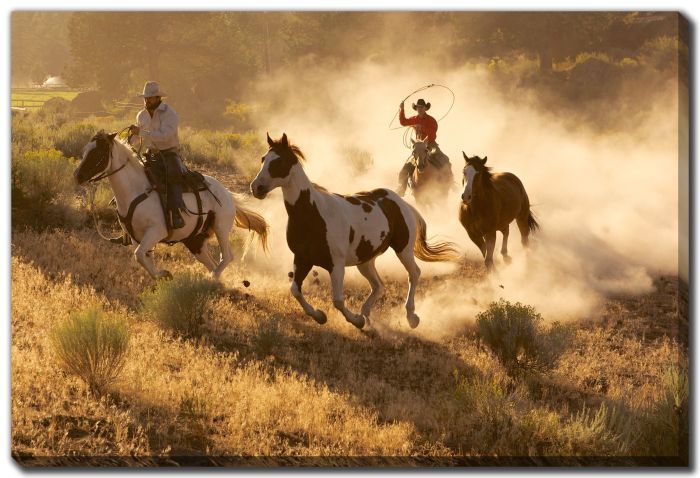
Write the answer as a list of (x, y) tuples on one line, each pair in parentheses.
[(133, 129)]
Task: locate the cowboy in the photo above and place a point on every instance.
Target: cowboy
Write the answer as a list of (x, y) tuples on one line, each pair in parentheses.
[(426, 129), (157, 124)]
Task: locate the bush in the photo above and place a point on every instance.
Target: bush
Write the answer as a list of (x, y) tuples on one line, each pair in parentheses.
[(664, 428), (71, 138), (360, 160), (514, 332), (92, 346), (180, 304), (41, 176)]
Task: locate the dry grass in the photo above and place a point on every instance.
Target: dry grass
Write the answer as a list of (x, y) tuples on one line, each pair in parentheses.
[(262, 379), (258, 378)]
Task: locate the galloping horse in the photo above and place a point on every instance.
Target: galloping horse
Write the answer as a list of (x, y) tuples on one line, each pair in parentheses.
[(490, 202), (140, 209), (430, 182), (333, 231)]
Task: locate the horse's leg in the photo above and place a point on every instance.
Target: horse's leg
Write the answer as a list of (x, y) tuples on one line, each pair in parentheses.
[(504, 245), (143, 253), (301, 270), (409, 262), (490, 246), (222, 229), (477, 239), (369, 271), (204, 256), (337, 277)]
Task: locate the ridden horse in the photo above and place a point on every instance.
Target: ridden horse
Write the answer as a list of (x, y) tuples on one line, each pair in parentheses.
[(140, 208), (490, 202), (429, 181), (333, 231)]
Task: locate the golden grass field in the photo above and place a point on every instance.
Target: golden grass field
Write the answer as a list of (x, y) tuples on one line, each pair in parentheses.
[(264, 384)]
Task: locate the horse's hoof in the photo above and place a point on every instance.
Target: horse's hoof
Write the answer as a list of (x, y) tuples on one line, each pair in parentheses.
[(320, 316), (165, 275), (358, 321), (507, 259), (413, 320)]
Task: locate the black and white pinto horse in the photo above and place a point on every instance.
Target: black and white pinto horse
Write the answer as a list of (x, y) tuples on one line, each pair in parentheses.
[(139, 206), (333, 231)]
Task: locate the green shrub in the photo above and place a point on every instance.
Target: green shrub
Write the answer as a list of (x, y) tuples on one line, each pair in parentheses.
[(664, 427), (516, 334), (180, 304), (92, 346), (71, 138), (607, 431), (41, 176)]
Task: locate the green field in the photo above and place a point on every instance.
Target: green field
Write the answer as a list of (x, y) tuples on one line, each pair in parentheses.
[(36, 97)]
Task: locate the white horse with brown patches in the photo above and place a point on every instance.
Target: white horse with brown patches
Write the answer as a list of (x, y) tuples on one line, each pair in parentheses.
[(333, 231), (140, 209)]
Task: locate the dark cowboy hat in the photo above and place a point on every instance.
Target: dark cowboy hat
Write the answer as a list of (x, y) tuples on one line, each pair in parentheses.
[(421, 102)]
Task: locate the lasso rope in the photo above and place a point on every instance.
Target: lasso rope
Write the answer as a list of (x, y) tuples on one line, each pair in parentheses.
[(409, 132)]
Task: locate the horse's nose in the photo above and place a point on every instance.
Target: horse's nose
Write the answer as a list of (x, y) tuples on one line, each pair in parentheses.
[(258, 191), (466, 198)]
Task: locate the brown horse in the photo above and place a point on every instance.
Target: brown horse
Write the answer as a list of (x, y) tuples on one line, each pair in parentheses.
[(432, 178), (490, 202)]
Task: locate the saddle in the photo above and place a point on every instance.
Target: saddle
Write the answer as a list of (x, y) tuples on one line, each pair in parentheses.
[(190, 181)]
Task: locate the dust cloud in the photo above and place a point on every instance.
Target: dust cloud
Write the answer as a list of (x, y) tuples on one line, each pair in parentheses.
[(607, 202)]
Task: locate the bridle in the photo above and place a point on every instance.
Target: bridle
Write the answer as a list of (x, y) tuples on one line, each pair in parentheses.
[(108, 157)]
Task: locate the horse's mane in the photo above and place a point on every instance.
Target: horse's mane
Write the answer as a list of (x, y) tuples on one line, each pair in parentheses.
[(481, 168), (298, 153)]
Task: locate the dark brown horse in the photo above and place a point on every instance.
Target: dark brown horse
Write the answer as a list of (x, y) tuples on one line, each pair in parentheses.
[(490, 202)]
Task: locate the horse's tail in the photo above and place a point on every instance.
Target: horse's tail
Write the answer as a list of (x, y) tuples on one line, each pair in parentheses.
[(440, 251), (247, 219), (532, 224)]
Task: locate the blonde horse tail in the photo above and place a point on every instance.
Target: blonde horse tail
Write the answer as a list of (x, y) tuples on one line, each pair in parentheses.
[(247, 219), (436, 251)]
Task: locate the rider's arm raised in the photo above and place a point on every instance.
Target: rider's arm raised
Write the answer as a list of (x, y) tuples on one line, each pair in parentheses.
[(407, 121)]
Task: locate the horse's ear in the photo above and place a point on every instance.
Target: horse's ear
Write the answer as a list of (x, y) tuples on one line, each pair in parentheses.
[(484, 161), (269, 140), (285, 142), (466, 158)]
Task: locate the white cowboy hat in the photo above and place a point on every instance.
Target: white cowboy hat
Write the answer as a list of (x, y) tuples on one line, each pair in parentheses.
[(152, 88)]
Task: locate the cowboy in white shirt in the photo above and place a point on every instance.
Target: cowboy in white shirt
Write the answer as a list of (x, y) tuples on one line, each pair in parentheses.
[(157, 124)]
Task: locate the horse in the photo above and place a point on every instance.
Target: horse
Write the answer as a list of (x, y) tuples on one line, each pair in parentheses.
[(430, 181), (333, 231), (140, 210), (490, 202)]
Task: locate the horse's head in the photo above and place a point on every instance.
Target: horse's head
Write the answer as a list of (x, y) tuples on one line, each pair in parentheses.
[(473, 166), (420, 152), (276, 167), (96, 157)]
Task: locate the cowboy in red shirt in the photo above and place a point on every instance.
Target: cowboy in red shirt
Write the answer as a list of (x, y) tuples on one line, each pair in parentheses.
[(426, 129)]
